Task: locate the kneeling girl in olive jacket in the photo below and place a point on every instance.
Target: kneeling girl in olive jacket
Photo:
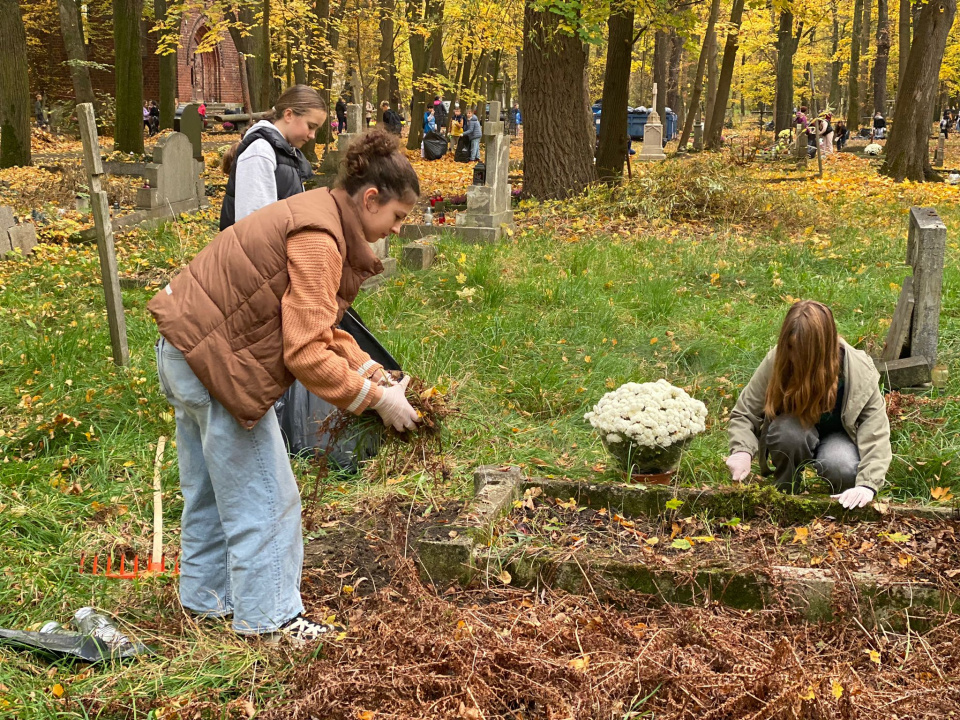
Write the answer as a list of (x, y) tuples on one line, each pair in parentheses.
[(814, 400)]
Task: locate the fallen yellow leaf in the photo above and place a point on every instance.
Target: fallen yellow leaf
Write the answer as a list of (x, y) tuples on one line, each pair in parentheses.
[(801, 535), (837, 689)]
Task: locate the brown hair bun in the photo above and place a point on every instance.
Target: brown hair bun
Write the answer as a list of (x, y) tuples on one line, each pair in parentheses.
[(375, 160)]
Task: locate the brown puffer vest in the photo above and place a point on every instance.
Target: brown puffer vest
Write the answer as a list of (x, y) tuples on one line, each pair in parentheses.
[(222, 311)]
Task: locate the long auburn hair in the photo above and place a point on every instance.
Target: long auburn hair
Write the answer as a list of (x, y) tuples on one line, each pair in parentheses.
[(807, 364)]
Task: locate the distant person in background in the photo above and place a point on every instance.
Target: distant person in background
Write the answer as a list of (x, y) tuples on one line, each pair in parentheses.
[(146, 117), (826, 130), (879, 126), (202, 112), (440, 112), (516, 117), (341, 108), (391, 121), (842, 134), (39, 113), (154, 118), (429, 121), (473, 132)]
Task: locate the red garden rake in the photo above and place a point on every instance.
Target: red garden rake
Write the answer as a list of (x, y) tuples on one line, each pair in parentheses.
[(157, 563)]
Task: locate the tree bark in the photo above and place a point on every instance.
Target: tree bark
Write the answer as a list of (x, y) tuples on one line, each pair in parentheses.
[(866, 89), (713, 71), (76, 51), (836, 65), (903, 39), (386, 65), (698, 79), (15, 102), (713, 136), (883, 57), (128, 71), (673, 72), (786, 49), (612, 150), (559, 133), (661, 53), (255, 45), (168, 69), (853, 83), (907, 151)]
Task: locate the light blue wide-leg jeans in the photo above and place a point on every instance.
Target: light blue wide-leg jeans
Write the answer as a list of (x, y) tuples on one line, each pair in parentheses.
[(240, 534)]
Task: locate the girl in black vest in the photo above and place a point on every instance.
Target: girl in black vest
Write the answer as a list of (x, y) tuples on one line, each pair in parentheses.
[(267, 164)]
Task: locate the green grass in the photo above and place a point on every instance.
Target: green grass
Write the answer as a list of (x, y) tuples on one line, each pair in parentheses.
[(551, 326)]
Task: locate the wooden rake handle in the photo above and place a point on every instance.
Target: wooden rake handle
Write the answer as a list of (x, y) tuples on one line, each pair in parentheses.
[(157, 557)]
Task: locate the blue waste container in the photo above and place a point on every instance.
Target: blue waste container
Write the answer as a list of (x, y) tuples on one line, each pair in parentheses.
[(636, 119), (670, 125)]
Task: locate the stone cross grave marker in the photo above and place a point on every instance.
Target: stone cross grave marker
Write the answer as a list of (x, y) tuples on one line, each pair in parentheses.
[(191, 125), (104, 230), (22, 237), (652, 148), (355, 127), (910, 351), (488, 205)]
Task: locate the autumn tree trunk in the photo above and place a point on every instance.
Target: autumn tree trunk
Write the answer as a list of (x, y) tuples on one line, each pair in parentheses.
[(903, 38), (853, 84), (673, 72), (907, 151), (559, 133), (698, 79), (712, 72), (712, 138), (866, 89), (76, 51), (661, 53), (15, 102), (387, 60), (128, 71), (168, 68), (612, 150), (787, 45), (836, 64), (426, 55), (883, 56)]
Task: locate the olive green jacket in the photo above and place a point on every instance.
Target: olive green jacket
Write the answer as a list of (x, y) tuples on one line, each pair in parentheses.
[(864, 415)]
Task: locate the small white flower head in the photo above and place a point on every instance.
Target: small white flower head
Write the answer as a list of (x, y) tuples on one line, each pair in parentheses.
[(655, 414)]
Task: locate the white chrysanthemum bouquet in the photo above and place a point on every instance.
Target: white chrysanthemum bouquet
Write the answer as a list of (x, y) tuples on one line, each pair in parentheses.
[(645, 425)]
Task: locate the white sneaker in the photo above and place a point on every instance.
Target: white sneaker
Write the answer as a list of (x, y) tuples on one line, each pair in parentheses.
[(301, 631)]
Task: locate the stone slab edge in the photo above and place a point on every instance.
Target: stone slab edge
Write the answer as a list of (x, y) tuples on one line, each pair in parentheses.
[(446, 553), (809, 591), (744, 502)]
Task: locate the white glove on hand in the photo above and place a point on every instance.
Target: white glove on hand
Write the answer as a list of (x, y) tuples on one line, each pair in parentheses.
[(855, 497), (394, 409), (739, 464)]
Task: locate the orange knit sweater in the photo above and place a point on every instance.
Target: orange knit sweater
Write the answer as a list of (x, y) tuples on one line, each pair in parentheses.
[(324, 358)]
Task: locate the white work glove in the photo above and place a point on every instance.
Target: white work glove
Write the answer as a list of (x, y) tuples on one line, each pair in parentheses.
[(855, 497), (394, 409), (739, 465)]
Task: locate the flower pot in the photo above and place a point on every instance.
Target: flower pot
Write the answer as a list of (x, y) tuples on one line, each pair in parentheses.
[(636, 459)]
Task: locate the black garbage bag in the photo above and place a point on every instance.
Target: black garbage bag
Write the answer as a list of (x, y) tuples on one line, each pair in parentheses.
[(301, 413), (462, 153), (435, 145)]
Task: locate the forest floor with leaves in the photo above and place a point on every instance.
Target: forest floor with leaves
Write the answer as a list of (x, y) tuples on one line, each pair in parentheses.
[(683, 273)]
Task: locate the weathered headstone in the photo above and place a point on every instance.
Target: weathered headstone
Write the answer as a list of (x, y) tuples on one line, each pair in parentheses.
[(938, 153), (904, 372), (191, 125), (173, 181), (926, 246), (899, 331), (355, 126), (104, 231), (652, 148), (419, 254), (382, 250), (488, 205), (13, 236)]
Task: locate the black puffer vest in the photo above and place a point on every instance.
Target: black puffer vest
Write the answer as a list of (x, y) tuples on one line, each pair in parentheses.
[(293, 169)]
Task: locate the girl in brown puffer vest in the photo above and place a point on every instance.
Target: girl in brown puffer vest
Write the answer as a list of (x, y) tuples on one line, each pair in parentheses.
[(255, 309)]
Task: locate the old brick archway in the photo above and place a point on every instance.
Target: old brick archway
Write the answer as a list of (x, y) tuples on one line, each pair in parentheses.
[(212, 76)]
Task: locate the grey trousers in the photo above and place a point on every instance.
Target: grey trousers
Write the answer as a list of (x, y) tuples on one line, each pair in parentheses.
[(790, 447)]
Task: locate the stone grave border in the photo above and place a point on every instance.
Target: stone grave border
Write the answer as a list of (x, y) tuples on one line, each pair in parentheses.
[(459, 552)]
